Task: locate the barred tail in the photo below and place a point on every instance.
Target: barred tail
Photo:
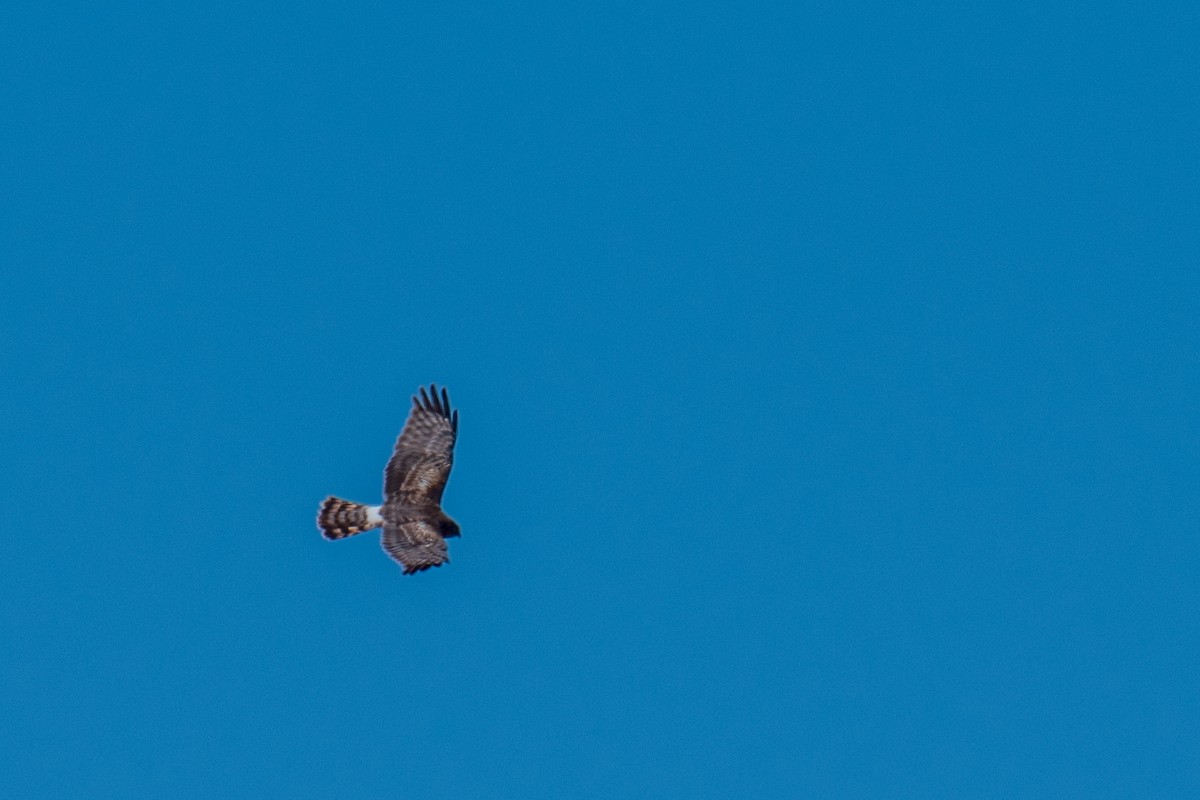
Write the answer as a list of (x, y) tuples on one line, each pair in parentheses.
[(340, 518)]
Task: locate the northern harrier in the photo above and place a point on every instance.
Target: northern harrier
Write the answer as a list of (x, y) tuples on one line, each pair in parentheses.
[(415, 528)]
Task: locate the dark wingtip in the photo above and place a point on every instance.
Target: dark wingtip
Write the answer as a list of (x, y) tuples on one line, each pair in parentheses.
[(436, 401), (413, 570)]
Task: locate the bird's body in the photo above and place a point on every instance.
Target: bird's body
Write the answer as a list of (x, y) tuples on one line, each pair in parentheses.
[(415, 528)]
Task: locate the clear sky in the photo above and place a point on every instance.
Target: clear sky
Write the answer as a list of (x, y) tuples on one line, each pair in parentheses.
[(827, 378)]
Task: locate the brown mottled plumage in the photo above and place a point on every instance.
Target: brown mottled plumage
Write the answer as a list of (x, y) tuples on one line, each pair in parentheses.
[(340, 518), (415, 528)]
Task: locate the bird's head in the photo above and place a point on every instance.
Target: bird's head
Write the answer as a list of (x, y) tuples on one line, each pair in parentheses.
[(448, 528)]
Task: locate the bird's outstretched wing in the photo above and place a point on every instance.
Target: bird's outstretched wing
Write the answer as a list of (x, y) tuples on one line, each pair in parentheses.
[(415, 544), (420, 465)]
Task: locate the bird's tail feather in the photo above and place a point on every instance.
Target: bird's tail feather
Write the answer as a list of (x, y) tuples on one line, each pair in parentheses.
[(340, 518)]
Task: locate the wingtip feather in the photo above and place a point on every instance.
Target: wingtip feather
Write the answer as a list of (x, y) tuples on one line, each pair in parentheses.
[(436, 400)]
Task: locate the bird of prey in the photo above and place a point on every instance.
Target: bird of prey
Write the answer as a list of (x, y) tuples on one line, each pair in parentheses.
[(415, 528)]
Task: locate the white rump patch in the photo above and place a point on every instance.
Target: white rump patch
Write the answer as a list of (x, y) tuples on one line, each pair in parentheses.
[(373, 517)]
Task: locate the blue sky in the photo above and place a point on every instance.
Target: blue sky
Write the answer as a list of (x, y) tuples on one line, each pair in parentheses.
[(827, 378)]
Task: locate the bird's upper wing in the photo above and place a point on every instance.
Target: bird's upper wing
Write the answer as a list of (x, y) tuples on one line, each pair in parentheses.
[(415, 544), (417, 472)]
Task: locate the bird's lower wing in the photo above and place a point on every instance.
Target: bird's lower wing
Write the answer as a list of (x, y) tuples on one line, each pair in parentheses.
[(415, 544)]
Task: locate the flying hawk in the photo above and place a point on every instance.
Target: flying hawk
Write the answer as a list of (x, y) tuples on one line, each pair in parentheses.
[(415, 528)]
